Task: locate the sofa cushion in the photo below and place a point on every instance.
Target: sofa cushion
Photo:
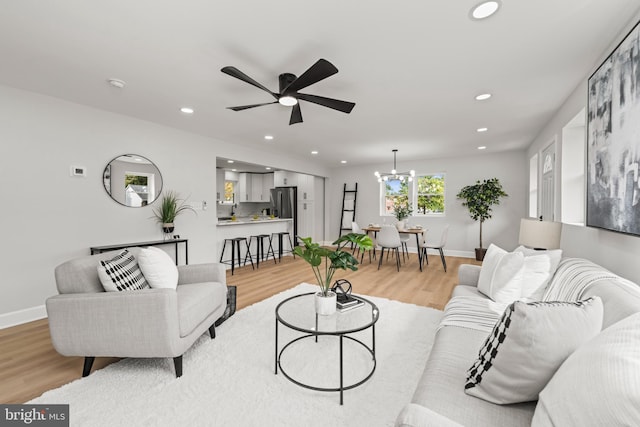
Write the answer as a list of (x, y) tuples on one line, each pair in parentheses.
[(538, 269), (121, 273), (527, 346), (158, 268), (441, 387), (414, 415), (501, 275), (598, 384), (196, 301)]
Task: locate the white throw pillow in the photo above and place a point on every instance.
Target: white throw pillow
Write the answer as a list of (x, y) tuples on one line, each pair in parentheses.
[(528, 345), (501, 275), (158, 268), (599, 384), (121, 273), (539, 268)]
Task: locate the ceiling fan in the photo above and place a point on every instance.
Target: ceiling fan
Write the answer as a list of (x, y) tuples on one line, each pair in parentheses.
[(288, 94)]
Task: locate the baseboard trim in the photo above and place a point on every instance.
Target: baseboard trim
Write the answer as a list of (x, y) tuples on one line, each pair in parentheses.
[(19, 317)]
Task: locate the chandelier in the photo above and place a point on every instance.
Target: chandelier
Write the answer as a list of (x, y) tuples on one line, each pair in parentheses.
[(394, 173)]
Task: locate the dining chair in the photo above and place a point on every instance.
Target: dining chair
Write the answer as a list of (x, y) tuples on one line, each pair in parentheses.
[(424, 245), (389, 238), (404, 239), (355, 228)]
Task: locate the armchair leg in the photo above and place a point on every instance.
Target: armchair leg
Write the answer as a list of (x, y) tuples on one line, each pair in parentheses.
[(88, 363), (212, 331), (177, 363)]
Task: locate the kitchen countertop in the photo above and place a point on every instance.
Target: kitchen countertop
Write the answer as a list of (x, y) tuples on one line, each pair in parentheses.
[(248, 220)]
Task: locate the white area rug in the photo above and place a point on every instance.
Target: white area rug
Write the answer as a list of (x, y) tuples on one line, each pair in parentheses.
[(230, 381)]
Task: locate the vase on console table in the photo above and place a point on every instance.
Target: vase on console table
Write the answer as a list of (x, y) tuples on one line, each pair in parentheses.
[(167, 228)]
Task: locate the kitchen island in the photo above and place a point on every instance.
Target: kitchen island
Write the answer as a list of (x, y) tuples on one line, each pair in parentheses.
[(246, 227)]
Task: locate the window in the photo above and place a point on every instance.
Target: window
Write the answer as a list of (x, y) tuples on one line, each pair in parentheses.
[(533, 186), (228, 191), (393, 190), (430, 194), (425, 192)]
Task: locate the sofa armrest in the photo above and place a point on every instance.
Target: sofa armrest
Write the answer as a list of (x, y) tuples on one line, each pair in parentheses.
[(199, 273), (468, 274), (92, 324), (414, 415)]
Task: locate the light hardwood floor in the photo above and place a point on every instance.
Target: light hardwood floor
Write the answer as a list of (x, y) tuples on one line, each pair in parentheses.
[(29, 365)]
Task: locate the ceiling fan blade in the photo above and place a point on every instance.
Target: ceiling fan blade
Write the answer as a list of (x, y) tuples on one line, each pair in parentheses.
[(234, 72), (296, 115), (336, 104), (318, 71), (244, 107)]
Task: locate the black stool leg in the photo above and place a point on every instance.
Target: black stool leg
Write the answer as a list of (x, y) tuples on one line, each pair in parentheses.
[(271, 249), (224, 245), (248, 253)]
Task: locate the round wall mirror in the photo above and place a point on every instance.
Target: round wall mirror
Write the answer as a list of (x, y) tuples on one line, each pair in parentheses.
[(132, 180)]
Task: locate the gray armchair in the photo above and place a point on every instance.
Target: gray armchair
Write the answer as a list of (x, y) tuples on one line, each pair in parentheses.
[(86, 321)]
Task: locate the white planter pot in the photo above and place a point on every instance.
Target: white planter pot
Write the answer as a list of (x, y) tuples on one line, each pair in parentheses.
[(325, 305), (400, 225)]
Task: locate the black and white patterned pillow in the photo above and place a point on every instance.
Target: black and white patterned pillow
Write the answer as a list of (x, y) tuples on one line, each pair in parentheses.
[(121, 273), (527, 346)]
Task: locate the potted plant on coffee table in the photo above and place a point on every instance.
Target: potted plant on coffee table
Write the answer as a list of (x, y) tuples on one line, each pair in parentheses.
[(325, 261), (479, 198), (171, 205)]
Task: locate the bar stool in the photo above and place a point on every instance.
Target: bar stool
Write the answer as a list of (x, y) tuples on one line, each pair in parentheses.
[(260, 255), (235, 248), (280, 236)]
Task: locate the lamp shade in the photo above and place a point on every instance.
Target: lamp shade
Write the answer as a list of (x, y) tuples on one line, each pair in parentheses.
[(540, 234)]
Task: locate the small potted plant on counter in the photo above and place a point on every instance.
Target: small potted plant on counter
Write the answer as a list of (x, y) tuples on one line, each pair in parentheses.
[(325, 261)]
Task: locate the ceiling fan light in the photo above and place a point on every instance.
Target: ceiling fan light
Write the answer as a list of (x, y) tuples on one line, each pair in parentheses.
[(287, 101)]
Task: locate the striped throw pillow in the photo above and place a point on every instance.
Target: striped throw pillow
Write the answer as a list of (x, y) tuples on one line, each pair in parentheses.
[(121, 273)]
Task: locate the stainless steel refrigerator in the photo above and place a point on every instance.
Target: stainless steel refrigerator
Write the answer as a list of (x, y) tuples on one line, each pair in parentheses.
[(284, 204)]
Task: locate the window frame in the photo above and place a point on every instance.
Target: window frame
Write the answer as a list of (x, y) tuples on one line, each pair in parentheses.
[(413, 196)]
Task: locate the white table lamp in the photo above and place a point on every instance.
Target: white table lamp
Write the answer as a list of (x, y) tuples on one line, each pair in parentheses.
[(540, 234)]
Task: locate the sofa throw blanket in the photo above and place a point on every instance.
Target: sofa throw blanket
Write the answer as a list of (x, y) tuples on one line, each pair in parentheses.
[(574, 276), (480, 314)]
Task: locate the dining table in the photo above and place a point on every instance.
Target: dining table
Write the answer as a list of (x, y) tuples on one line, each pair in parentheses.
[(416, 231)]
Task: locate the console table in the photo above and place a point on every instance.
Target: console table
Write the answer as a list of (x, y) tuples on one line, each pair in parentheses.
[(175, 242)]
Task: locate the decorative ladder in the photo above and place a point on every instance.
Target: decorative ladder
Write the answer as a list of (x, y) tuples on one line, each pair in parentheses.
[(349, 198)]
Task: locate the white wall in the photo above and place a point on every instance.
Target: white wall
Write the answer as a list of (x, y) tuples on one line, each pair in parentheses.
[(614, 251), (50, 216), (502, 229)]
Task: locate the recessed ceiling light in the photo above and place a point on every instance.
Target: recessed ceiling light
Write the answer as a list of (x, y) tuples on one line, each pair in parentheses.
[(343, 161), (117, 83), (268, 168), (482, 129), (483, 96), (314, 152), (229, 161), (482, 147), (187, 110), (484, 9), (268, 137), (233, 170)]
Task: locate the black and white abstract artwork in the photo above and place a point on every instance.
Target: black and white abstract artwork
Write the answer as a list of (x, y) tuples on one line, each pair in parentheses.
[(613, 140)]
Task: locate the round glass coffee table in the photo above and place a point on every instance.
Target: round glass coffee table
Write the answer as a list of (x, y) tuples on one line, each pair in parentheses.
[(298, 313)]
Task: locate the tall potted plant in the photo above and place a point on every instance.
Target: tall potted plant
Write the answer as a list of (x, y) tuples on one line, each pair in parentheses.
[(171, 205), (479, 198), (401, 210), (325, 261)]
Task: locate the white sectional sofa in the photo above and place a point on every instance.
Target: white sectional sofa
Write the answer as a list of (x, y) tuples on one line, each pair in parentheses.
[(584, 384)]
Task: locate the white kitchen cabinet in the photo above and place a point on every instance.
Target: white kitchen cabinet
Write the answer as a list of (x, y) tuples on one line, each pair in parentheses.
[(256, 188), (285, 179), (306, 214), (244, 187), (220, 185), (267, 185)]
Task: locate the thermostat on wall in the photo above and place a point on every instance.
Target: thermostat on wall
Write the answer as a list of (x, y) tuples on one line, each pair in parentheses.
[(78, 171)]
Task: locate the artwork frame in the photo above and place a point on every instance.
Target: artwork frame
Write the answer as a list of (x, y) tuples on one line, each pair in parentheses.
[(613, 140)]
